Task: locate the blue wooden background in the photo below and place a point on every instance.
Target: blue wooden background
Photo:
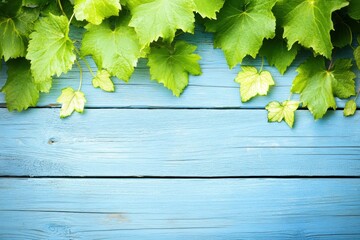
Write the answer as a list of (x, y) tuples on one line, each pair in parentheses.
[(142, 164)]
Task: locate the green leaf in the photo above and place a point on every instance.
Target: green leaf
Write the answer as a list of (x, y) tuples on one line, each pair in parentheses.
[(115, 49), (94, 11), (308, 22), (350, 108), (102, 80), (357, 56), (162, 18), (171, 65), (14, 32), (20, 90), (50, 48), (343, 81), (35, 3), (276, 52), (354, 9), (253, 83), (71, 101), (342, 36), (241, 27), (318, 85), (278, 112), (208, 9)]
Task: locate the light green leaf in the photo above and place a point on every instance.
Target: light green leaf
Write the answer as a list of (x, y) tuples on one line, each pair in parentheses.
[(20, 90), (171, 65), (278, 112), (208, 8), (253, 83), (357, 56), (102, 80), (14, 32), (318, 85), (350, 108), (276, 52), (50, 48), (308, 22), (95, 11), (162, 18), (354, 9), (71, 101), (115, 49), (241, 27)]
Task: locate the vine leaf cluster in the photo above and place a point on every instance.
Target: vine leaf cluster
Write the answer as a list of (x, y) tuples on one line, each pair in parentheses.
[(36, 46)]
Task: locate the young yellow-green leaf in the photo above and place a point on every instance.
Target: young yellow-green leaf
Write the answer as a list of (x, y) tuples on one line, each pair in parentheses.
[(308, 22), (95, 11), (162, 18), (241, 27), (115, 49), (50, 49), (318, 85), (171, 65), (102, 80), (357, 56), (208, 8), (350, 108), (354, 9), (253, 83), (276, 52), (278, 112), (71, 101), (20, 90), (14, 32)]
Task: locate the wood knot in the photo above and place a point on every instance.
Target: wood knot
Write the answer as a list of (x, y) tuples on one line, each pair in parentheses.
[(52, 141)]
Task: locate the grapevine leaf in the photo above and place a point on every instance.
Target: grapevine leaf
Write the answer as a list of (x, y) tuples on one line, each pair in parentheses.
[(208, 9), (171, 65), (357, 56), (318, 85), (94, 11), (115, 49), (278, 112), (343, 81), (71, 101), (50, 48), (342, 36), (354, 9), (14, 32), (20, 90), (253, 83), (102, 80), (241, 27), (44, 86), (34, 3), (350, 108), (161, 18), (308, 22), (277, 54)]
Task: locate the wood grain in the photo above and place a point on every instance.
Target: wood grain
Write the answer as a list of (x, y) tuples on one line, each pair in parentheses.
[(133, 142), (215, 88), (179, 209)]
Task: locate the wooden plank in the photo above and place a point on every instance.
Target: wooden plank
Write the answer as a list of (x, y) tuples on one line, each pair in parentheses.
[(132, 142), (215, 88), (179, 209)]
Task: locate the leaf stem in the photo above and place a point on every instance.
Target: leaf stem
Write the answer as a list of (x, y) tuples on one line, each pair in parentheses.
[(81, 74), (60, 6), (71, 18), (262, 64), (86, 62)]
